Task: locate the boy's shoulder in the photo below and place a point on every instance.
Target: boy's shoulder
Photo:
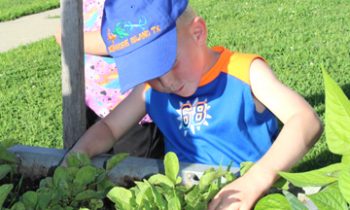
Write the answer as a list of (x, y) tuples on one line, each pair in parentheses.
[(239, 65)]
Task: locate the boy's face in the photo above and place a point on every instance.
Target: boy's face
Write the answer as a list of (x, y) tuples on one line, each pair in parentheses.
[(185, 75)]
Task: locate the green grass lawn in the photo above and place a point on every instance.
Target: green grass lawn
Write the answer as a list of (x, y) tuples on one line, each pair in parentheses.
[(31, 103), (296, 38), (12, 9)]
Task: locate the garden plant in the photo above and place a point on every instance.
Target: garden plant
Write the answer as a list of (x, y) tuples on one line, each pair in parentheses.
[(79, 185)]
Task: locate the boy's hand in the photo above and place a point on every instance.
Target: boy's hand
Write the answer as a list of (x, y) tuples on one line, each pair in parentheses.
[(243, 193), (238, 195)]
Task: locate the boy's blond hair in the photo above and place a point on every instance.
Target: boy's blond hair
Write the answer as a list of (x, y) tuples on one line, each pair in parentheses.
[(186, 17)]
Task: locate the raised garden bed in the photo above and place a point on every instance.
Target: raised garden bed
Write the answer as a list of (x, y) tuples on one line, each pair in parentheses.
[(37, 162), (85, 182)]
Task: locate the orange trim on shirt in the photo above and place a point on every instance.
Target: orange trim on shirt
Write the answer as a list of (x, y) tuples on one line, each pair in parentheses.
[(147, 86), (239, 66), (220, 66), (233, 63)]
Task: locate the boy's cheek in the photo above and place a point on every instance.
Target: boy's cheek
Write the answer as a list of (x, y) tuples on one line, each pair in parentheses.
[(156, 85)]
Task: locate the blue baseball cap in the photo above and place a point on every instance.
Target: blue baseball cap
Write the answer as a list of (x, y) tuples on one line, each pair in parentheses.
[(141, 36)]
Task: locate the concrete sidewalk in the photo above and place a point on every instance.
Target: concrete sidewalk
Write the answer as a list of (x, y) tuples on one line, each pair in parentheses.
[(28, 29)]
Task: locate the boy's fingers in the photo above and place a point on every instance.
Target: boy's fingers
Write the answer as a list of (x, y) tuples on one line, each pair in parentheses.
[(215, 202), (244, 207)]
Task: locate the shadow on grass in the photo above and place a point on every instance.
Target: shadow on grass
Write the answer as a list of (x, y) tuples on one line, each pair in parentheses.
[(325, 158), (319, 98)]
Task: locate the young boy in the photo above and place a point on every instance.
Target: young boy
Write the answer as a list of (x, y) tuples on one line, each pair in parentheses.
[(214, 106)]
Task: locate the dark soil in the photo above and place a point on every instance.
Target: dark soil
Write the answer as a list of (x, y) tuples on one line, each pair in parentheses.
[(129, 182), (20, 185)]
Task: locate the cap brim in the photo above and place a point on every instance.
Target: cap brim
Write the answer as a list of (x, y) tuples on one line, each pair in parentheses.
[(147, 62)]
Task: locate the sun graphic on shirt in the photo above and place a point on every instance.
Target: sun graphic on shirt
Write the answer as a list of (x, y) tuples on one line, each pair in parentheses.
[(193, 115)]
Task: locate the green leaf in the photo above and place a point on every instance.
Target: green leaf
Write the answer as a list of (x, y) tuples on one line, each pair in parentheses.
[(294, 202), (44, 198), (329, 198), (115, 160), (104, 185), (88, 194), (337, 117), (85, 175), (212, 191), (345, 159), (244, 167), (174, 202), (121, 197), (159, 179), (318, 177), (197, 200), (167, 192), (78, 159), (47, 182), (95, 204), (4, 170), (193, 195), (48, 197), (72, 172), (273, 202), (29, 199), (208, 178), (144, 193), (230, 177), (4, 191), (158, 199), (281, 183), (57, 207), (171, 165), (344, 183), (101, 175), (18, 206), (178, 180), (60, 178), (198, 206)]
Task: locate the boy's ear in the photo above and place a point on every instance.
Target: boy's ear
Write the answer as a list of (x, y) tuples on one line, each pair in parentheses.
[(199, 30)]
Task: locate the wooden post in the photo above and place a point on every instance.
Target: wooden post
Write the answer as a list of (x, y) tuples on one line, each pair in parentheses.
[(73, 85)]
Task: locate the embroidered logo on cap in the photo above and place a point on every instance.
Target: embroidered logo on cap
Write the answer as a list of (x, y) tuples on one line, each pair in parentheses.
[(124, 29)]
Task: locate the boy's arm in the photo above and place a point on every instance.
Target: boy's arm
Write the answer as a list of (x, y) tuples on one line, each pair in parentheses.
[(301, 128), (93, 42), (101, 136), (301, 125)]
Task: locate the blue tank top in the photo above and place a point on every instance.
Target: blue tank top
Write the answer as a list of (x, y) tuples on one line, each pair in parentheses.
[(218, 124)]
